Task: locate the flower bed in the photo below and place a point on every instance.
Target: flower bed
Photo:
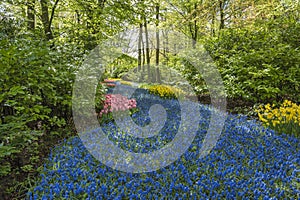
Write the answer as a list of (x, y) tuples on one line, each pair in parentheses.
[(126, 83), (249, 162), (164, 91), (285, 119), (115, 103), (110, 83)]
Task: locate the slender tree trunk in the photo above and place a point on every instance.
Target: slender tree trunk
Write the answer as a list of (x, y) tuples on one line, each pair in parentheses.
[(46, 20), (213, 22), (166, 46), (143, 56), (30, 15), (140, 47), (195, 26), (157, 35), (52, 14), (195, 33), (147, 50), (233, 18), (157, 46), (222, 19), (158, 78)]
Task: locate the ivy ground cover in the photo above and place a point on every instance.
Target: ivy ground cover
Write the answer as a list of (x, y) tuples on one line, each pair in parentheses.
[(248, 162)]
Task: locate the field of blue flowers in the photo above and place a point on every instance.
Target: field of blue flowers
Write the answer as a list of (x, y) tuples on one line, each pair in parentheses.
[(248, 162)]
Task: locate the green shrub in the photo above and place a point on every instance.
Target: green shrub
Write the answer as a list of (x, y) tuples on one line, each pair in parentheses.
[(259, 63), (35, 103)]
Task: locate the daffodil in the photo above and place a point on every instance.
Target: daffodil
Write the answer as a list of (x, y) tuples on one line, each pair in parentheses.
[(283, 119)]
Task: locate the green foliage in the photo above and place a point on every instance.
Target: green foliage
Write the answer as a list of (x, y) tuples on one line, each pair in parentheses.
[(100, 97), (120, 66), (41, 83), (191, 74), (14, 138), (259, 63), (8, 28), (35, 102)]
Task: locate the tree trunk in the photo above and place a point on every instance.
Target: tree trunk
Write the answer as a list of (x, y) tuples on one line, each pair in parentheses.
[(157, 36), (52, 14), (140, 47), (147, 51), (213, 22), (195, 33), (157, 77), (165, 46), (222, 19), (47, 22), (143, 56), (45, 19), (30, 15), (194, 27)]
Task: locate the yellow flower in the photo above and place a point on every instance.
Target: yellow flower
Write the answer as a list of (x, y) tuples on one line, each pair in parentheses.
[(261, 118), (269, 116), (275, 122), (285, 115), (267, 107)]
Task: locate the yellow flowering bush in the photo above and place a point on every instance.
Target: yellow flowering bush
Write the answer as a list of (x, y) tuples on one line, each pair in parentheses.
[(126, 83), (285, 119), (164, 91), (114, 79)]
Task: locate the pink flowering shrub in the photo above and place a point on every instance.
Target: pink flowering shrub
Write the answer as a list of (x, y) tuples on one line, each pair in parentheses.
[(116, 103)]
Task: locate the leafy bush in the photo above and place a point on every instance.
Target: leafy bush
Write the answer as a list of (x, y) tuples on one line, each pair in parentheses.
[(285, 119), (100, 96), (164, 91), (259, 63), (35, 102), (120, 66)]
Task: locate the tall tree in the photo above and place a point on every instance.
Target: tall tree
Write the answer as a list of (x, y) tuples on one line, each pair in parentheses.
[(140, 47), (222, 14), (30, 15), (46, 20), (157, 34), (157, 44), (147, 50), (185, 13)]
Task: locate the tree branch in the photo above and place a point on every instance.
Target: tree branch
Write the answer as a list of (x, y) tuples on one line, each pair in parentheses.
[(52, 12)]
